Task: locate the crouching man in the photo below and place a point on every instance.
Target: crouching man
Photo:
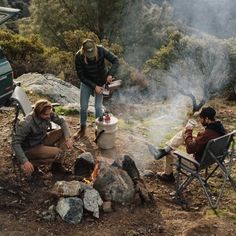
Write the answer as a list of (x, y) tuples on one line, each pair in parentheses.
[(34, 145), (194, 145)]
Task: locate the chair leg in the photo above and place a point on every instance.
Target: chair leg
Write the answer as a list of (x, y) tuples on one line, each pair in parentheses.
[(179, 190), (213, 203), (227, 172), (184, 184), (17, 169)]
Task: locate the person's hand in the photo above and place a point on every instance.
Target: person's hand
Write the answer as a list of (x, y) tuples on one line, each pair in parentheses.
[(98, 89), (69, 143), (191, 124), (109, 79), (189, 128), (28, 167)]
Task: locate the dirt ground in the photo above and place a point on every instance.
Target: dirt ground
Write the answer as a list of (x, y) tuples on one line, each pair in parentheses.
[(22, 207)]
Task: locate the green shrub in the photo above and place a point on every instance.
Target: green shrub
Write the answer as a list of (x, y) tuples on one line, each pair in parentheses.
[(63, 111), (30, 55)]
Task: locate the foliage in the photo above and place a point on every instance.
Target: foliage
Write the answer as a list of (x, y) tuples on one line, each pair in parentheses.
[(133, 24), (30, 55), (51, 18), (166, 55), (63, 111), (155, 51), (231, 45), (194, 66), (74, 39)]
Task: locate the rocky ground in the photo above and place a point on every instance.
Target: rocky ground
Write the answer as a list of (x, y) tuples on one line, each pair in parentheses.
[(22, 208)]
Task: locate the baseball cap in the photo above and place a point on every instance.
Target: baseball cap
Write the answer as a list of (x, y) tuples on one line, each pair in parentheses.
[(89, 48)]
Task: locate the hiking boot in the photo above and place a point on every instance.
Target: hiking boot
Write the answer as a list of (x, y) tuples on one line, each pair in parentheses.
[(58, 168), (157, 153), (165, 177), (80, 133)]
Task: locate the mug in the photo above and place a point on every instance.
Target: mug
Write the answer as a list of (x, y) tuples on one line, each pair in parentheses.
[(191, 123)]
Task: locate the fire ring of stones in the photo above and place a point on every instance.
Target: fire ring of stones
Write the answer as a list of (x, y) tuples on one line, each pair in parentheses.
[(101, 185)]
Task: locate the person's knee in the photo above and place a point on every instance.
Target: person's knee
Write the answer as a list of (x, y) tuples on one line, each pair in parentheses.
[(60, 133), (53, 152)]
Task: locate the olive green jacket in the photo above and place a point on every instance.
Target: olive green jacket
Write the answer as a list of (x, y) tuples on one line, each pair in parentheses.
[(31, 131)]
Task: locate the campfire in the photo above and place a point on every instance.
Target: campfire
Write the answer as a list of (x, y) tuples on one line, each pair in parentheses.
[(93, 175), (95, 171), (119, 182), (101, 185)]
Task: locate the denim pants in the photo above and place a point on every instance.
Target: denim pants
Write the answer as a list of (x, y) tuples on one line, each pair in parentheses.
[(85, 92)]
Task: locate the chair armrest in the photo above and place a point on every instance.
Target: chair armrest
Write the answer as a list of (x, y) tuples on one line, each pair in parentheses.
[(186, 158)]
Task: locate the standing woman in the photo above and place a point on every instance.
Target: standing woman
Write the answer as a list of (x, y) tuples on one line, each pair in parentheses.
[(93, 74)]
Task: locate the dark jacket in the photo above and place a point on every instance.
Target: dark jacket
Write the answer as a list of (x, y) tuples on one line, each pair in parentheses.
[(196, 146), (94, 72)]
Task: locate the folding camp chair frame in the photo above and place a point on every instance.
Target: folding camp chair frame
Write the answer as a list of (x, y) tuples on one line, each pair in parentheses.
[(218, 152)]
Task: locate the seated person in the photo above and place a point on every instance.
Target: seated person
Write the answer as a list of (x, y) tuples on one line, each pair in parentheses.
[(194, 145), (34, 145)]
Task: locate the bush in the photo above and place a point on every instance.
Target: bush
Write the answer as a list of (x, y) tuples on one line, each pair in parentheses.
[(30, 55), (62, 111)]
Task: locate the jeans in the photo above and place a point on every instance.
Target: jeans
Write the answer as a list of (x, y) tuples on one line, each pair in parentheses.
[(85, 92)]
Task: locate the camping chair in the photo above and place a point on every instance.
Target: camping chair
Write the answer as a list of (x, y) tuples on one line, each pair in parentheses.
[(21, 102), (218, 154)]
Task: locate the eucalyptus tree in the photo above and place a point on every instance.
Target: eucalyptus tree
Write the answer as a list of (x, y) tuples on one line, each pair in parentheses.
[(196, 67), (51, 18)]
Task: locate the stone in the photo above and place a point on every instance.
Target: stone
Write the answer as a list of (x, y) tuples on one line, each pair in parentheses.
[(92, 201), (84, 164), (70, 209), (127, 164), (106, 207), (144, 194), (55, 89), (114, 184), (67, 188)]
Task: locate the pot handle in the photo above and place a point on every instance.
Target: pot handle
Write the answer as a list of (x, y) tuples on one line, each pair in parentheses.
[(99, 135)]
